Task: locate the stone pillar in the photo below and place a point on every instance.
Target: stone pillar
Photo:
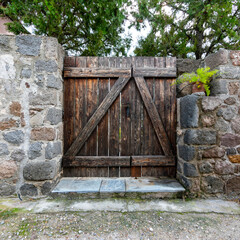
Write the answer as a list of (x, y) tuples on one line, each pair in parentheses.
[(31, 93), (209, 132)]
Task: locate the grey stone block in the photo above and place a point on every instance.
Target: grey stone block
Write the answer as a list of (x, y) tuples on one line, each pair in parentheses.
[(231, 151), (233, 186), (229, 72), (45, 99), (187, 183), (220, 112), (179, 167), (53, 150), (49, 66), (3, 149), (230, 100), (18, 155), (35, 150), (230, 140), (229, 113), (28, 45), (190, 170), (54, 116), (218, 86), (15, 137), (7, 189), (200, 137), (28, 190), (40, 80), (5, 43), (212, 184), (46, 188), (189, 112), (210, 103), (205, 167), (183, 89), (216, 59), (53, 82), (187, 65), (224, 167), (26, 73), (236, 125), (221, 125), (185, 152), (39, 170)]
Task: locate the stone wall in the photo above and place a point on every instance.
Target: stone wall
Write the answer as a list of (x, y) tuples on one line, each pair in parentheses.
[(209, 132), (31, 93), (30, 114)]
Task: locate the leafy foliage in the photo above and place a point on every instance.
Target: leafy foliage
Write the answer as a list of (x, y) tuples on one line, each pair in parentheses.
[(90, 28), (202, 75), (188, 28)]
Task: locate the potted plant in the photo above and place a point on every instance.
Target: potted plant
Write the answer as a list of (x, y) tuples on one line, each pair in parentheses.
[(200, 80)]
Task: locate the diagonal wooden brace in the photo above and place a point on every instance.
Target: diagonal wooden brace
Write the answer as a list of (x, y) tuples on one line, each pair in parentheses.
[(154, 116)]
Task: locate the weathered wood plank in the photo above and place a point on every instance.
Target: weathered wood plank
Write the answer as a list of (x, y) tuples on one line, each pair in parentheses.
[(137, 126), (126, 62), (97, 116), (112, 62), (69, 62), (158, 62), (171, 62), (103, 62), (126, 119), (154, 160), (84, 90), (154, 72), (103, 125), (114, 171), (147, 125), (154, 146), (92, 104), (92, 62), (133, 117), (125, 172), (154, 116), (96, 72), (80, 111), (148, 62), (96, 161), (81, 62), (136, 172), (114, 123)]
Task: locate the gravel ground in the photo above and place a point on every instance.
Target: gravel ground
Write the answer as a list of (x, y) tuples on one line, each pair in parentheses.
[(117, 225)]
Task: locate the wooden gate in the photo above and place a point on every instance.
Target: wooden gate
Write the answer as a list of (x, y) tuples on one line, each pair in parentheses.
[(119, 117)]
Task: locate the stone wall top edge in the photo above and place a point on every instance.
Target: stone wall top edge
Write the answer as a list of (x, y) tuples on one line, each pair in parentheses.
[(30, 35)]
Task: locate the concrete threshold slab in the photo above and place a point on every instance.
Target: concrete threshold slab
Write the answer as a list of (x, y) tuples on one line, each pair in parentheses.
[(123, 205), (125, 186)]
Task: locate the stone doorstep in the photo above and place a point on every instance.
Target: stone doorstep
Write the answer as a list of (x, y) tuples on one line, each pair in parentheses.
[(125, 186)]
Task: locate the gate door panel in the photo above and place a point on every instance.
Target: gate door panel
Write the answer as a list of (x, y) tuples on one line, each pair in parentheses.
[(119, 117)]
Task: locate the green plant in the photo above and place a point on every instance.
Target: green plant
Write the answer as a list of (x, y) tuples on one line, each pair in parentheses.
[(202, 76)]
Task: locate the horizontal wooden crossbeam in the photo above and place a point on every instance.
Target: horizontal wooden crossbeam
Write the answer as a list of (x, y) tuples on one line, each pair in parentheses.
[(152, 161), (119, 161), (97, 161), (96, 72), (155, 72)]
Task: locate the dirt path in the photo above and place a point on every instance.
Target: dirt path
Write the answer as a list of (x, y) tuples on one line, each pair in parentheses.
[(116, 225)]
